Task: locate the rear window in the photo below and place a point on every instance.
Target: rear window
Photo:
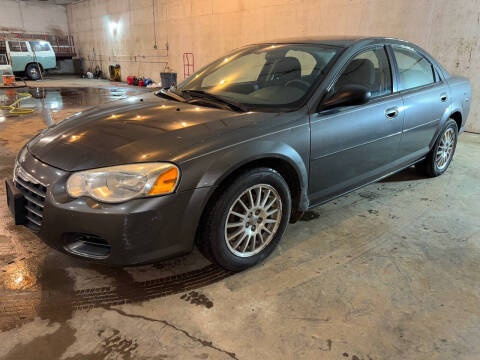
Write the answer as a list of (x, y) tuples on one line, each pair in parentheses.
[(39, 46)]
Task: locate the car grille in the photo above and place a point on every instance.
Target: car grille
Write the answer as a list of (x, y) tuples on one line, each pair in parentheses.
[(34, 201)]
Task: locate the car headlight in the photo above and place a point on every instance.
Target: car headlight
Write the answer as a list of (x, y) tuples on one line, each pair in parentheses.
[(117, 184)]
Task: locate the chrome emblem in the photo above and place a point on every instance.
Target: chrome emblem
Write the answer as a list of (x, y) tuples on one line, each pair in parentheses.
[(23, 174)]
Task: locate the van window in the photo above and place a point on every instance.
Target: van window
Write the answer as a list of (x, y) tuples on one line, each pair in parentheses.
[(17, 46), (14, 46), (3, 59), (39, 46)]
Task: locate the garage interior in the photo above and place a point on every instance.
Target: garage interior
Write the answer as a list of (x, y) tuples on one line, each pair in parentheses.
[(387, 272)]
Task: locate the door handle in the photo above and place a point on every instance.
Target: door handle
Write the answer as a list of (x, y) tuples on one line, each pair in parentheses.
[(443, 97), (391, 112)]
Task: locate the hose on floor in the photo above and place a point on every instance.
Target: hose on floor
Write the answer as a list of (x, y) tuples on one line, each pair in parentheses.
[(15, 108)]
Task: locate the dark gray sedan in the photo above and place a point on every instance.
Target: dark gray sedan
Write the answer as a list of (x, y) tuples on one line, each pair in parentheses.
[(237, 151)]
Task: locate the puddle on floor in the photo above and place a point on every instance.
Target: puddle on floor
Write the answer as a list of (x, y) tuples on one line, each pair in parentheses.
[(64, 98), (49, 106)]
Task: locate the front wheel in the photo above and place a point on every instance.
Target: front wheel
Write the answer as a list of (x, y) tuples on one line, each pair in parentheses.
[(247, 220), (33, 71), (441, 155)]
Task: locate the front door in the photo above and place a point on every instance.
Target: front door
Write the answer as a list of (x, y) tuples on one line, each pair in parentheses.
[(352, 145)]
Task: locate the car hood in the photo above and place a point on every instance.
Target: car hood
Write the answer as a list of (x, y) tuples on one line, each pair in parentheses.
[(137, 129)]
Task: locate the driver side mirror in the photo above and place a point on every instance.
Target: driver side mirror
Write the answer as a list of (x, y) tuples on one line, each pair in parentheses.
[(348, 95)]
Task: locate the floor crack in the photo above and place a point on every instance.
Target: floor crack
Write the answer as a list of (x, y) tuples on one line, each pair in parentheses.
[(170, 325)]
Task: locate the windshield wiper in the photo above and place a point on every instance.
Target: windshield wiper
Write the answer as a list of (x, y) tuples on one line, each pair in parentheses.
[(170, 95), (216, 98)]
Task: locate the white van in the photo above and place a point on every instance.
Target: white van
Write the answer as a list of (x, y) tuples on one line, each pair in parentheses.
[(26, 56)]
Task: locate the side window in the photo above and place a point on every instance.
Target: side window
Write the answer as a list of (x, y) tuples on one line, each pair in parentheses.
[(307, 61), (39, 46), (3, 61), (370, 69), (414, 69), (14, 46), (23, 46)]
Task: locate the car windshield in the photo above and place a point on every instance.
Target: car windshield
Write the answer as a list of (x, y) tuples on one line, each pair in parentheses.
[(262, 76)]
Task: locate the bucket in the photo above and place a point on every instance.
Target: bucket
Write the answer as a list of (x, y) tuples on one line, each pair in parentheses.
[(130, 80), (114, 72), (168, 79), (8, 80)]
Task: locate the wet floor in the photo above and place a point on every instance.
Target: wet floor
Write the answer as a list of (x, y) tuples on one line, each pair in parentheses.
[(55, 99), (47, 106)]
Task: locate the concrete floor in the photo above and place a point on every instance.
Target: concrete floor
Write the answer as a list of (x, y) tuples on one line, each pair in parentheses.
[(388, 272)]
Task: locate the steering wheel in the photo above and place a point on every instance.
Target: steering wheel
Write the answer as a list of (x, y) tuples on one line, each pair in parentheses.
[(298, 83)]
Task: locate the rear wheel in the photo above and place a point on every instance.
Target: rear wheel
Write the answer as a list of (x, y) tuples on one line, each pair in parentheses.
[(441, 155), (247, 220), (33, 71)]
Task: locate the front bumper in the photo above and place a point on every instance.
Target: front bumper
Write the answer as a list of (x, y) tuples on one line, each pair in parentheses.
[(134, 232)]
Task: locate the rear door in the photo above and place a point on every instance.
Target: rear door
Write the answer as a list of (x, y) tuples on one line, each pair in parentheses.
[(425, 97), (352, 145)]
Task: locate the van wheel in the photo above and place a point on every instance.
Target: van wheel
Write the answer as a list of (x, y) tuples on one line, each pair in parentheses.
[(247, 220), (33, 72)]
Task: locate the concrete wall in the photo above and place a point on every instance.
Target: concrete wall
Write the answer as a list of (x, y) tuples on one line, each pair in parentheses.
[(448, 29), (33, 17)]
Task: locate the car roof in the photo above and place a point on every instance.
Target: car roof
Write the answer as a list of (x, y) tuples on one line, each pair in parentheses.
[(341, 41)]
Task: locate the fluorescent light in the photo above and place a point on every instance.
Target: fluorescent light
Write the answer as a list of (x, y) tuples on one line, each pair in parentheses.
[(114, 27)]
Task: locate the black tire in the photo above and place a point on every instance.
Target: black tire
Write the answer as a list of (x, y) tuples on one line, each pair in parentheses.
[(212, 238), (33, 71), (429, 166)]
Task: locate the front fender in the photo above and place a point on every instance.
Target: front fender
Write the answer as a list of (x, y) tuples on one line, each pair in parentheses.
[(292, 146)]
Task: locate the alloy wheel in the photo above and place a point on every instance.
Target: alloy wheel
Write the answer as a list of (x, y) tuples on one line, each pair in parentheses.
[(445, 149), (253, 220)]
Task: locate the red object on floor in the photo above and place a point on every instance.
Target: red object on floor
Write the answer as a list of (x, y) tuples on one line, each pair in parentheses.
[(141, 83), (130, 80), (8, 80)]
